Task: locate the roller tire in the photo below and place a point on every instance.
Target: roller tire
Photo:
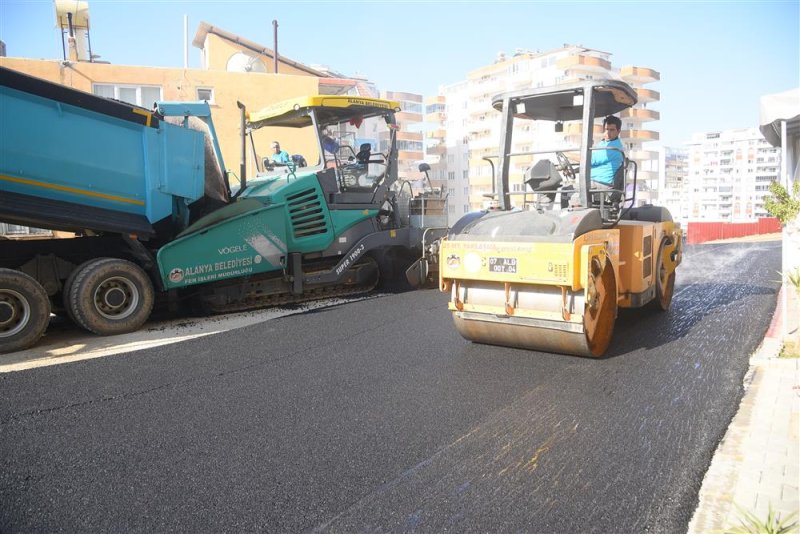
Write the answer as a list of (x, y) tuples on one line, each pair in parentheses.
[(110, 296), (24, 311), (665, 284), (599, 319)]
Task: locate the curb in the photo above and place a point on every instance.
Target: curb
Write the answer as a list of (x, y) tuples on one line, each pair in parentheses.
[(756, 466)]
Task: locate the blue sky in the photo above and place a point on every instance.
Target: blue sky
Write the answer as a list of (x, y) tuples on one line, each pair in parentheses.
[(716, 59)]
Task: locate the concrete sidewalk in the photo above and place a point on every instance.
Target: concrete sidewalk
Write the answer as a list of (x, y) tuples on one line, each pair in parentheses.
[(757, 464)]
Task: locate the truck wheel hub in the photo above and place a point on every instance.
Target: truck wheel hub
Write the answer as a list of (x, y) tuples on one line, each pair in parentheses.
[(6, 313), (15, 313), (117, 298), (114, 298)]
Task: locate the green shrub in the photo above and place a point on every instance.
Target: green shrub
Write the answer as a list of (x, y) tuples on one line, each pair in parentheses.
[(774, 524), (781, 204)]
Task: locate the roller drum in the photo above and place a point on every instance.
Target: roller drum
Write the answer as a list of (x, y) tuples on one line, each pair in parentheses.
[(589, 337), (506, 332)]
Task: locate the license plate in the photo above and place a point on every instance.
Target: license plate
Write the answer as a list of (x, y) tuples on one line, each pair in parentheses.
[(502, 265)]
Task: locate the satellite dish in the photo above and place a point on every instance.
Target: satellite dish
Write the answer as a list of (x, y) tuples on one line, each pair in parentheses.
[(241, 62)]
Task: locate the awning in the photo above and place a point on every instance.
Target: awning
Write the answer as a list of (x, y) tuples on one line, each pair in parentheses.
[(780, 107)]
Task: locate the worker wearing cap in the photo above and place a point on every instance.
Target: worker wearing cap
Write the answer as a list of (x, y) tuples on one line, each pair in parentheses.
[(278, 155)]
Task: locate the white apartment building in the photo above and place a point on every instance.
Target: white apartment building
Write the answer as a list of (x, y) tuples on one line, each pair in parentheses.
[(729, 173), (410, 143), (464, 128), (671, 191)]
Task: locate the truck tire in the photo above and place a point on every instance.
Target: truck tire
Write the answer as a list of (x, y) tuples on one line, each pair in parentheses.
[(24, 311), (110, 296), (65, 291)]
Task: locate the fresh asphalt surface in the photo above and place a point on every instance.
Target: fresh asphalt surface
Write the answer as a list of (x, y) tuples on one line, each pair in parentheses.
[(377, 416)]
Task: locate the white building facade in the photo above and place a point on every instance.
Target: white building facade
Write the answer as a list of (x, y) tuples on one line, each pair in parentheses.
[(728, 176)]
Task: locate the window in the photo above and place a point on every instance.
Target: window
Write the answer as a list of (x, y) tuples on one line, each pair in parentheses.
[(465, 175), (451, 175), (411, 107), (411, 146), (205, 93), (139, 95)]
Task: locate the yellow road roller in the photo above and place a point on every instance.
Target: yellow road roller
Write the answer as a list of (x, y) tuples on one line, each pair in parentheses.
[(550, 266)]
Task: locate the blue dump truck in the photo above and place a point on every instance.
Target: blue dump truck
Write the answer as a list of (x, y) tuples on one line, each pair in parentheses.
[(157, 220)]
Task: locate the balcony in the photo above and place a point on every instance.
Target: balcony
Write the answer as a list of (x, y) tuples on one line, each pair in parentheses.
[(437, 117), (639, 135), (478, 181), (477, 160), (584, 64), (438, 99), (575, 128), (436, 134), (397, 95), (642, 115), (647, 95), (409, 136), (437, 149), (639, 75), (484, 142), (646, 175), (409, 155), (642, 155), (405, 117), (477, 108)]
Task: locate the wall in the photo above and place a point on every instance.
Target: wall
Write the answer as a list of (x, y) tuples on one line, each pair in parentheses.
[(700, 232)]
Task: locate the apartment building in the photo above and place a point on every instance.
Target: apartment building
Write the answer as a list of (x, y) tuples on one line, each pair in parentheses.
[(410, 135), (464, 129), (729, 173), (672, 194)]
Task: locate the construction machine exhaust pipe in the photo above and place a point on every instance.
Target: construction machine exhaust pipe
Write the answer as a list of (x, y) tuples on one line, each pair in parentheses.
[(243, 160)]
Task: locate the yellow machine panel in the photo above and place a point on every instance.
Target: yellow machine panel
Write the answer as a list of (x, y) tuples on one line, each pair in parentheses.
[(636, 258), (643, 247), (531, 263)]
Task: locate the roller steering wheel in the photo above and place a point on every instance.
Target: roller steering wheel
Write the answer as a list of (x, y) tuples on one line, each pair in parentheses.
[(565, 165)]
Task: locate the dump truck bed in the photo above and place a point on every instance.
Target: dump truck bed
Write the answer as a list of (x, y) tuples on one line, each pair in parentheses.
[(70, 160)]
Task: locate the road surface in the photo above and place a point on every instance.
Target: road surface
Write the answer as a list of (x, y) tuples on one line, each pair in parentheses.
[(376, 416)]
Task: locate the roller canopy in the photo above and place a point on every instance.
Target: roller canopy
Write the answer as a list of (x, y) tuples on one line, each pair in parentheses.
[(560, 103)]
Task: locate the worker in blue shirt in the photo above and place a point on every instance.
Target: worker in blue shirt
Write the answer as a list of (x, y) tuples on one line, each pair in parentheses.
[(278, 155), (605, 163)]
